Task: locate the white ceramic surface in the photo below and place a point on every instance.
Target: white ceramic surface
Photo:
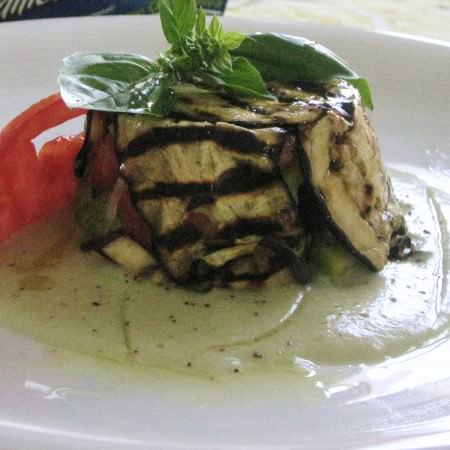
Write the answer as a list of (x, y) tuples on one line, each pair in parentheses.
[(51, 399)]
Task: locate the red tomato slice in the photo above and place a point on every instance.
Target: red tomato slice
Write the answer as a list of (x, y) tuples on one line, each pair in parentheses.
[(33, 186), (57, 160), (43, 115)]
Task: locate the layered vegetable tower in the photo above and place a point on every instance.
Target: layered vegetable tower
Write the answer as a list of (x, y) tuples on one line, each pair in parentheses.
[(222, 160), (228, 190)]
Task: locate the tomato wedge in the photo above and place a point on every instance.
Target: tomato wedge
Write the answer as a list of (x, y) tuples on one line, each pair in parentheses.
[(33, 185)]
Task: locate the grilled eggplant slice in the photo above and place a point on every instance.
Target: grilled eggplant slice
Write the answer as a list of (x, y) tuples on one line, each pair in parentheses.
[(198, 104), (221, 192), (343, 168)]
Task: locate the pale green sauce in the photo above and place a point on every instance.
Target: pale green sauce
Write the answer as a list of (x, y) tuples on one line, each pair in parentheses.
[(60, 296)]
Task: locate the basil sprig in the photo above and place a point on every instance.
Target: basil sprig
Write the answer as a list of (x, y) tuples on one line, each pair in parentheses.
[(203, 55), (280, 57), (119, 82)]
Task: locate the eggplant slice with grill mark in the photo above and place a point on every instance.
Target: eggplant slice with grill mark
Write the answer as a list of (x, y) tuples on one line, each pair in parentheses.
[(353, 194), (218, 194)]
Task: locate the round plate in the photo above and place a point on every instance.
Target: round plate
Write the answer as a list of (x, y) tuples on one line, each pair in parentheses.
[(58, 400)]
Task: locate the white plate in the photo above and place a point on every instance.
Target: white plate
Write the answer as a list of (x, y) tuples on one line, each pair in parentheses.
[(70, 401)]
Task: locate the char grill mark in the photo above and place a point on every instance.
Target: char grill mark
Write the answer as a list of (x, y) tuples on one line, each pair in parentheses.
[(242, 179), (204, 166), (269, 203), (233, 138), (188, 233)]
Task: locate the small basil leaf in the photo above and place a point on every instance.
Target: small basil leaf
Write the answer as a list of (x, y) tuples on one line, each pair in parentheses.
[(119, 82), (290, 58), (200, 25), (215, 29), (245, 80), (363, 87), (286, 58), (178, 18), (233, 40)]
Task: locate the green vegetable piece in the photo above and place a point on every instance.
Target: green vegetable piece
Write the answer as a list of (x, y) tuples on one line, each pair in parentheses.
[(364, 89), (95, 215), (177, 19), (280, 57), (245, 80), (331, 258), (118, 82), (233, 40), (215, 29), (200, 24)]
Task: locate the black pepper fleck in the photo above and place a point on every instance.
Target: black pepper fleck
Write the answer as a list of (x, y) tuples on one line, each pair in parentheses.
[(96, 304), (257, 355), (237, 370), (189, 364)]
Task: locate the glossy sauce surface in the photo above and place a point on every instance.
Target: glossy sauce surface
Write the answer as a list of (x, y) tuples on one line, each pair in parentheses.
[(58, 295)]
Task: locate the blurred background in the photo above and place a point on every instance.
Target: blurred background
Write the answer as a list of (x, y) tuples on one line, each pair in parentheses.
[(427, 18)]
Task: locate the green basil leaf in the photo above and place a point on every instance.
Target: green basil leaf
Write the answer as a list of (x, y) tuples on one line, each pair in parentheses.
[(363, 87), (290, 58), (233, 40), (178, 18), (200, 25), (215, 29), (244, 80), (118, 82)]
